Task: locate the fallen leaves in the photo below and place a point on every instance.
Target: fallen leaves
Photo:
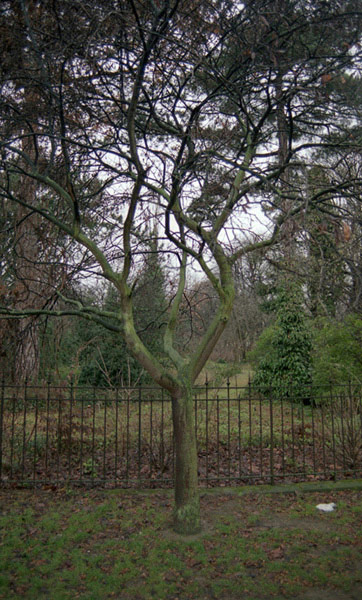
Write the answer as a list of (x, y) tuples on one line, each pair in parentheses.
[(276, 553)]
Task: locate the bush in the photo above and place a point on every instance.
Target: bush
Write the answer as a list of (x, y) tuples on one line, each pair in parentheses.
[(337, 351), (284, 366)]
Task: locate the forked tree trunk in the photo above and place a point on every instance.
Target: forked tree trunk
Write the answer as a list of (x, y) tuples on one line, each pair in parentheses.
[(187, 504)]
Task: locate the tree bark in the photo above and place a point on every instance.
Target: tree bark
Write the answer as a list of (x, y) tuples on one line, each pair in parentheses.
[(27, 359), (29, 289), (187, 503)]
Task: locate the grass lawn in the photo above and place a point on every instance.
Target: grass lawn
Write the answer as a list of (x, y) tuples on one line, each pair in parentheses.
[(95, 544)]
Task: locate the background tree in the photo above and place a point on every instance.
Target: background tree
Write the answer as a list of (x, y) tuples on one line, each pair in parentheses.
[(35, 262), (144, 101), (337, 351), (248, 319), (286, 369), (150, 302), (86, 351), (26, 251), (95, 356)]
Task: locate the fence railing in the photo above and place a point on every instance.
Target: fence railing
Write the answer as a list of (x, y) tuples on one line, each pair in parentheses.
[(123, 437)]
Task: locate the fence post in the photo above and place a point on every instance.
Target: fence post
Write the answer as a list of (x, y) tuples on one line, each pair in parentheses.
[(1, 423), (331, 400), (351, 428), (116, 439), (228, 425), (239, 431), (139, 432), (360, 405), (24, 428), (35, 430), (47, 425), (271, 440), (250, 428), (207, 428), (218, 435), (261, 435), (71, 399)]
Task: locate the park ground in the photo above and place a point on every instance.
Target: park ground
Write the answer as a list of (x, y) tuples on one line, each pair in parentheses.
[(256, 544)]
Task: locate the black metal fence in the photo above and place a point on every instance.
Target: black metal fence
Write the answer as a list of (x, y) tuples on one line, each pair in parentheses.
[(123, 437)]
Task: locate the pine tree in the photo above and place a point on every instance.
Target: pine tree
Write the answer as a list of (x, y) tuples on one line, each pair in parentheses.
[(286, 369)]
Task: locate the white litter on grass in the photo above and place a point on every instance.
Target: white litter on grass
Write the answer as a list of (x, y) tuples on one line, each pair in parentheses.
[(326, 507)]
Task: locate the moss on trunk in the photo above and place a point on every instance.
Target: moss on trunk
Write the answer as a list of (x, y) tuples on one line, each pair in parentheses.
[(187, 505), (186, 518)]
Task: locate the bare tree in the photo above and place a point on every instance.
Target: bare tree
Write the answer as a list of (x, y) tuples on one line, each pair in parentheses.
[(146, 101)]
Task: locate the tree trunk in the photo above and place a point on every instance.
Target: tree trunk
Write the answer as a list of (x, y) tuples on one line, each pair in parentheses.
[(187, 504), (29, 290), (27, 358)]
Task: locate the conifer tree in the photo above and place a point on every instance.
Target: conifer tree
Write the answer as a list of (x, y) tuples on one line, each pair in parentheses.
[(285, 372)]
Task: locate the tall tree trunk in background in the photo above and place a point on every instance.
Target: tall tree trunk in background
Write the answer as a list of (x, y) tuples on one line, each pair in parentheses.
[(354, 258), (288, 243), (28, 292), (283, 134)]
